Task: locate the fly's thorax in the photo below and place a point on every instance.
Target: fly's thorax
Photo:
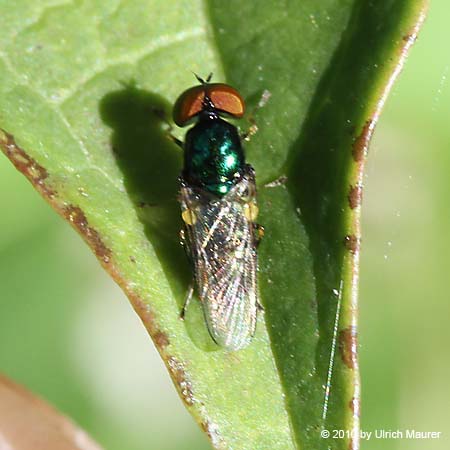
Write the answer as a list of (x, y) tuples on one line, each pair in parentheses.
[(242, 192), (213, 155)]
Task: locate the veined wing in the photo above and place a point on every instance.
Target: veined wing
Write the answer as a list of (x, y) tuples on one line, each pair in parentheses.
[(222, 249)]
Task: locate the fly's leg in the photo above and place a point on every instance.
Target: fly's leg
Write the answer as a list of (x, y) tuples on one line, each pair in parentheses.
[(253, 128), (161, 114), (251, 212), (187, 300), (189, 219), (280, 181), (174, 139), (258, 232), (185, 244), (183, 239)]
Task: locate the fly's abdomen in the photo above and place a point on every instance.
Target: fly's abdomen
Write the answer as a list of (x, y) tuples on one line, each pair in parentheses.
[(223, 253), (229, 294)]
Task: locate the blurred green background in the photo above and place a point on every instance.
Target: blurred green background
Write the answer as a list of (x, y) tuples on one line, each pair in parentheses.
[(68, 333)]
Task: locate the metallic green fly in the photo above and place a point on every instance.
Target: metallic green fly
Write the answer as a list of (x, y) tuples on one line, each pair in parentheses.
[(219, 211)]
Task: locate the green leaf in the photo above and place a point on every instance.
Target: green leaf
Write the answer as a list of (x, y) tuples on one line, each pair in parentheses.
[(79, 89)]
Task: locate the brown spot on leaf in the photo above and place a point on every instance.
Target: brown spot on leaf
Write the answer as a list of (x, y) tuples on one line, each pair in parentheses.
[(354, 406), (362, 141), (183, 383), (355, 196), (410, 38), (26, 164), (211, 429), (161, 339), (351, 406), (348, 347), (351, 243), (142, 308), (76, 217)]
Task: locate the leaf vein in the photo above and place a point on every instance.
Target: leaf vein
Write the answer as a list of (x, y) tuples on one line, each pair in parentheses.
[(131, 58)]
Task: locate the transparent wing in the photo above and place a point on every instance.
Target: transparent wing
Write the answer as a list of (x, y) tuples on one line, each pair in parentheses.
[(223, 253)]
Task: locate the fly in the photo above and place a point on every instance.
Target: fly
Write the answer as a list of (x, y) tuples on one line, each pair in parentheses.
[(219, 210)]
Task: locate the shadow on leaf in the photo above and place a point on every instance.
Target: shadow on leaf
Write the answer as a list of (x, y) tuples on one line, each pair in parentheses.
[(151, 164)]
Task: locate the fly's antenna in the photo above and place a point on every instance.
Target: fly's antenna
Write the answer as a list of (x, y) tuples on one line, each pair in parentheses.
[(201, 80), (207, 102)]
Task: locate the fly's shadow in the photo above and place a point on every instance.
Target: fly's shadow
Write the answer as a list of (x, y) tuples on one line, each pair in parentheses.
[(151, 164)]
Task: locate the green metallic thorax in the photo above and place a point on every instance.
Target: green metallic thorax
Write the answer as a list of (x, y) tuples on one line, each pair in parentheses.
[(213, 155)]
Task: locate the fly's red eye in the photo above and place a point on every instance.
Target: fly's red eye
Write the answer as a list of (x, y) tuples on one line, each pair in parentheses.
[(188, 105), (224, 98)]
